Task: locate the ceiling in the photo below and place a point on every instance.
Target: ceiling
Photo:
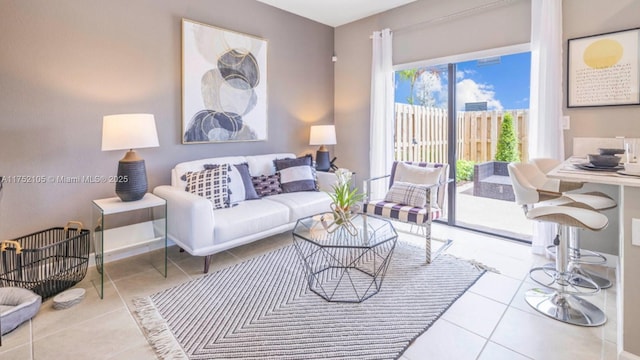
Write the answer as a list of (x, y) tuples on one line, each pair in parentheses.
[(336, 12)]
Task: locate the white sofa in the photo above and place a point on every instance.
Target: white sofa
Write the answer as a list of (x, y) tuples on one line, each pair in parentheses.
[(195, 226)]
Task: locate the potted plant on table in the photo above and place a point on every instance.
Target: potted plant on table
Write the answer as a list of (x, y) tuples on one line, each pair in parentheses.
[(344, 198)]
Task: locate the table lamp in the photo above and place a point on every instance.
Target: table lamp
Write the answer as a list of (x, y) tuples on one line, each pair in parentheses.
[(130, 131), (322, 135)]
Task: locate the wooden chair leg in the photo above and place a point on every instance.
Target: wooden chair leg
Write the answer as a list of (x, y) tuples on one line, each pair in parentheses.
[(207, 262)]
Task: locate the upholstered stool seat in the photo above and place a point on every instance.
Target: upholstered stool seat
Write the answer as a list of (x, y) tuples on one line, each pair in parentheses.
[(17, 305), (561, 300), (596, 200)]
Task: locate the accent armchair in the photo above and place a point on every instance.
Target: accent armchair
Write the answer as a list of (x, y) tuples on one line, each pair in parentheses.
[(415, 196)]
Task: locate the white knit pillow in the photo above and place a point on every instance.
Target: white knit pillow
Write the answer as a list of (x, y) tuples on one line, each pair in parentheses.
[(419, 175), (211, 184)]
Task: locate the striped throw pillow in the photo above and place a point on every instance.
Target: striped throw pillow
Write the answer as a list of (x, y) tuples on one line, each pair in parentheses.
[(296, 174)]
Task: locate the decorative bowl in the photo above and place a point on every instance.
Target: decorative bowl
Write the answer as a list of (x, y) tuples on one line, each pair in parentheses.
[(604, 160), (610, 151)]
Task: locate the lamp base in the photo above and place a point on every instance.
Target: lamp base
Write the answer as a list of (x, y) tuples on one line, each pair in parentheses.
[(322, 161), (131, 184)]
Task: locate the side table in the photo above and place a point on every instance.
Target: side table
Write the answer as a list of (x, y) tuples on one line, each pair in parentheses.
[(120, 225)]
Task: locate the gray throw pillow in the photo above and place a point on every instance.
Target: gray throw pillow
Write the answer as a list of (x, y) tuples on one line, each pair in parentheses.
[(296, 174)]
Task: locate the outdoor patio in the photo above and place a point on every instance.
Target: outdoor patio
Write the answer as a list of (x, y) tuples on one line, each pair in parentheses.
[(491, 215)]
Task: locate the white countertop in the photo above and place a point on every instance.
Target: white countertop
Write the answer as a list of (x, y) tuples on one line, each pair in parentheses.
[(567, 171)]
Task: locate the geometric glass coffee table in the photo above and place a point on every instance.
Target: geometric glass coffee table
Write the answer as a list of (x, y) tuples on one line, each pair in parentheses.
[(345, 266)]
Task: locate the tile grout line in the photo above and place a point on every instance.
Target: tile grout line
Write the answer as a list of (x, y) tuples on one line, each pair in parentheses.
[(124, 302), (522, 281)]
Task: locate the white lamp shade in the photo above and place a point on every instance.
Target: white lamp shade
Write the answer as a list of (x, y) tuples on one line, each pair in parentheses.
[(129, 131), (322, 135)]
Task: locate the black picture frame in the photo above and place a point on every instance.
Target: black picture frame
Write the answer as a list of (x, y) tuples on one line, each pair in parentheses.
[(603, 69)]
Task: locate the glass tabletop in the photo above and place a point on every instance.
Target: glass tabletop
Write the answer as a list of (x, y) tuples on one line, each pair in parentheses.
[(367, 231)]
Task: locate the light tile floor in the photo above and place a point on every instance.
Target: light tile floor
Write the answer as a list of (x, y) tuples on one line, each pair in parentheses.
[(489, 322)]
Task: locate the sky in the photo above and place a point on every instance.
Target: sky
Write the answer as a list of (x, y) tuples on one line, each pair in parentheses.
[(504, 84)]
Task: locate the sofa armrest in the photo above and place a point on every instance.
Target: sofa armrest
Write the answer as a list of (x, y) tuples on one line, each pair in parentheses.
[(326, 180), (190, 218)]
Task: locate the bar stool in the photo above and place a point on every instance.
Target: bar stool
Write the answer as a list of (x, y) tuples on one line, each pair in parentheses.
[(561, 300), (596, 200)]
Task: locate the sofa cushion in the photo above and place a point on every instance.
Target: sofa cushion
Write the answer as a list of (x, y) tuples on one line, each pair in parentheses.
[(296, 174), (303, 204), (248, 218), (263, 164), (211, 184), (266, 185)]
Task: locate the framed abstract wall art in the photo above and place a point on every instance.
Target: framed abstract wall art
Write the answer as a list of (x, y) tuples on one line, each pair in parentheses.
[(603, 69), (224, 85)]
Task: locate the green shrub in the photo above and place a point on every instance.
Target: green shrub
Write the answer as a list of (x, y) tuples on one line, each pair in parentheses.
[(464, 170), (507, 149)]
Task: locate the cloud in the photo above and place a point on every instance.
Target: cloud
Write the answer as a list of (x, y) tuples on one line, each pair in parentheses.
[(468, 91), (460, 74)]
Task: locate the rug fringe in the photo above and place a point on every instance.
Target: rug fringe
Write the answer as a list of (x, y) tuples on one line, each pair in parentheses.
[(477, 264), (157, 331)]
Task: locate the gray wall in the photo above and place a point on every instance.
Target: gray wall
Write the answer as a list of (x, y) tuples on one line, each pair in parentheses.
[(65, 64)]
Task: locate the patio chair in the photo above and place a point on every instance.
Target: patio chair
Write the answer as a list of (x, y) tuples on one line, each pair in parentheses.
[(415, 196)]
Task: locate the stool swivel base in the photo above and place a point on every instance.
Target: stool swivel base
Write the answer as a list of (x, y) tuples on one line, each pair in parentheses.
[(565, 307), (598, 280), (579, 257), (559, 300)]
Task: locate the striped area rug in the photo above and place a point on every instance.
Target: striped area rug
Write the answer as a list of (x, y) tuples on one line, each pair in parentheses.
[(262, 309)]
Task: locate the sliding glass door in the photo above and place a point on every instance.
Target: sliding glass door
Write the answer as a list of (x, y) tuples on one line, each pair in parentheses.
[(454, 113)]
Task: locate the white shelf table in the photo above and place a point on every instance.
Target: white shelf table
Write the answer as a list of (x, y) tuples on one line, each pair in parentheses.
[(123, 226)]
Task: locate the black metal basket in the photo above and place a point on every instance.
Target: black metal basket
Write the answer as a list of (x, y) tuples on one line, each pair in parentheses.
[(46, 262)]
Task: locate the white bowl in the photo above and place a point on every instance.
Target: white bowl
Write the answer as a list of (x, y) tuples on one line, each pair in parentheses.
[(632, 168)]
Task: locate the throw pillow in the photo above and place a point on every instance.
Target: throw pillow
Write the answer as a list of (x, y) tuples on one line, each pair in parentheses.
[(239, 182), (249, 189), (408, 194), (296, 174), (419, 175), (266, 185), (211, 184)]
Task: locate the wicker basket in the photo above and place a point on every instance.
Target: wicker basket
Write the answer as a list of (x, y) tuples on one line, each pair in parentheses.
[(46, 262)]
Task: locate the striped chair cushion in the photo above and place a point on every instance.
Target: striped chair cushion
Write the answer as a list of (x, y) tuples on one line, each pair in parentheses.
[(404, 213)]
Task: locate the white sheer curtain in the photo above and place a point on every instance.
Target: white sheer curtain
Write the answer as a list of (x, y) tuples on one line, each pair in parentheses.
[(545, 125), (381, 133)]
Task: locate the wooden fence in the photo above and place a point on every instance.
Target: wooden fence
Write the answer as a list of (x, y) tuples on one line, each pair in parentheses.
[(421, 133)]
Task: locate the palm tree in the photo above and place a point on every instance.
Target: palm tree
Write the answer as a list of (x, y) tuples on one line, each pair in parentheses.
[(412, 76)]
